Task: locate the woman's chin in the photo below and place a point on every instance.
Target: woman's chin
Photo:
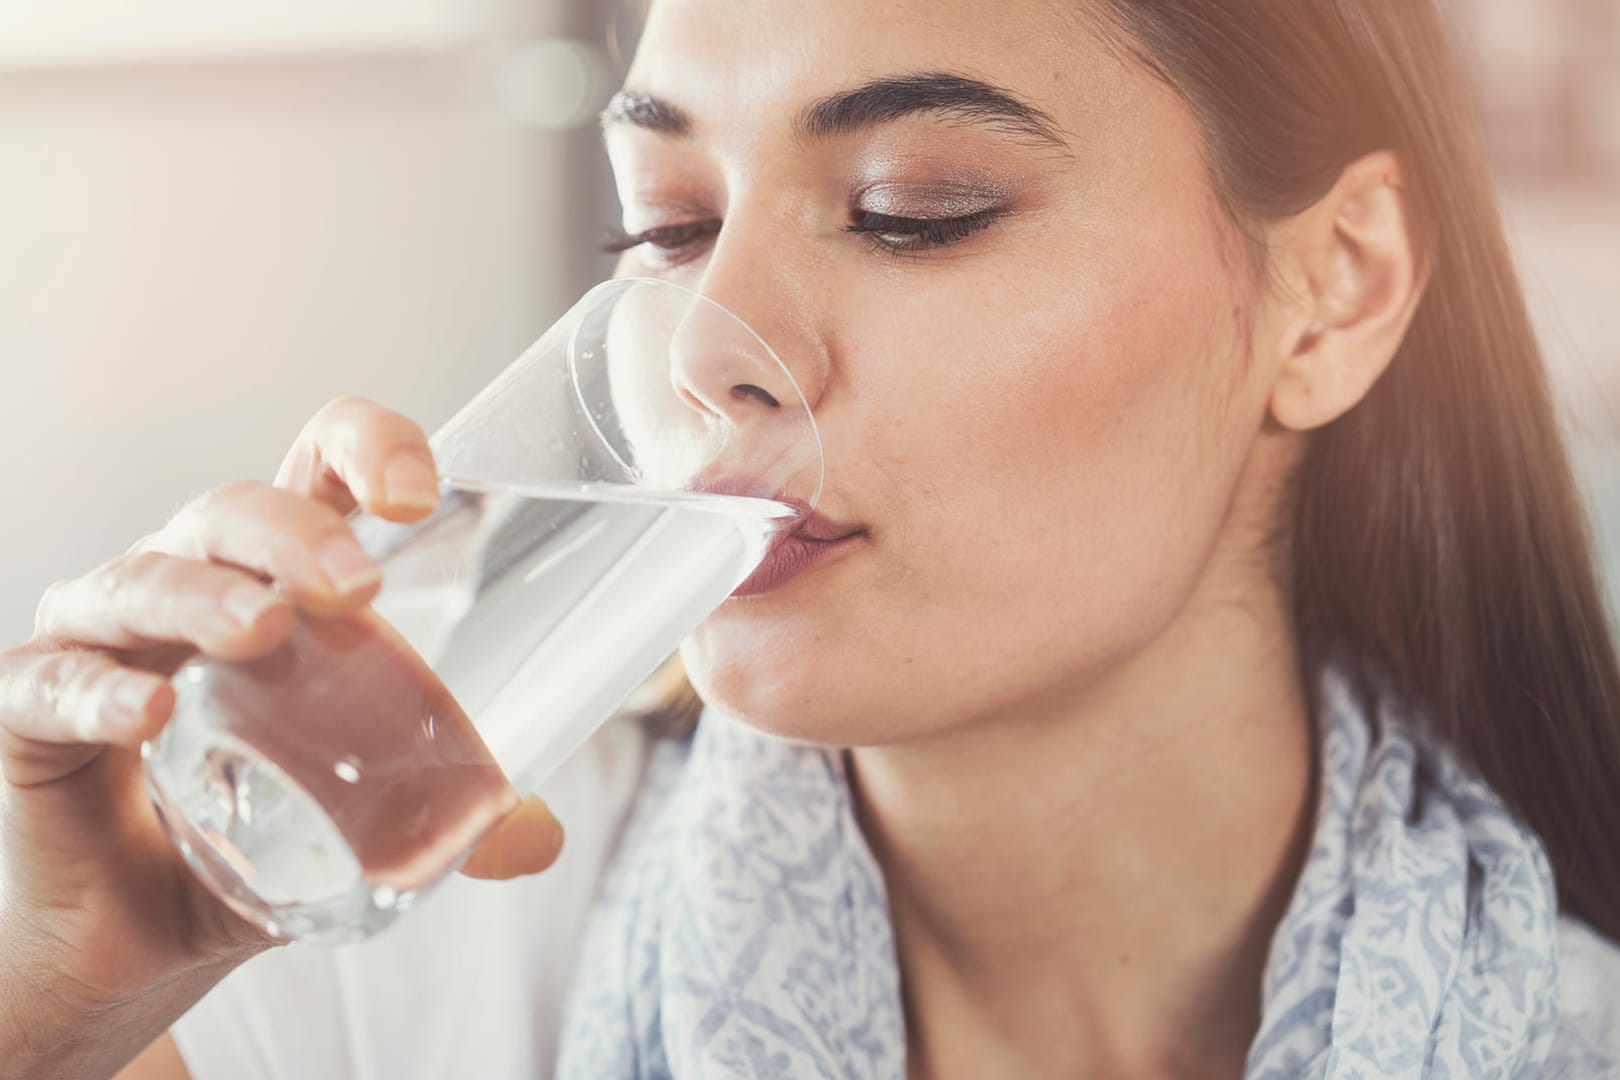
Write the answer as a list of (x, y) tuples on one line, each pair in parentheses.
[(771, 709), (775, 702)]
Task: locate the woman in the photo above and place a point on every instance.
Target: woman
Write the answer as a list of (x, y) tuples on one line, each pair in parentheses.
[(1213, 646)]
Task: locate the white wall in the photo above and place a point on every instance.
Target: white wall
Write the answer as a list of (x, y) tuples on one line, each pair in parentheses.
[(194, 255), (35, 33)]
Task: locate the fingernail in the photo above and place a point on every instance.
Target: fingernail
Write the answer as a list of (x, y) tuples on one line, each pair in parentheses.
[(548, 830), (128, 700), (557, 834), (409, 481), (247, 603), (347, 567)]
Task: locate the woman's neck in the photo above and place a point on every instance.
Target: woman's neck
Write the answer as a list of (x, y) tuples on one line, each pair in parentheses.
[(1089, 888)]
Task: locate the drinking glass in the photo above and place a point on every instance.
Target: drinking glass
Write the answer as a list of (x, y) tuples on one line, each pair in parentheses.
[(599, 499)]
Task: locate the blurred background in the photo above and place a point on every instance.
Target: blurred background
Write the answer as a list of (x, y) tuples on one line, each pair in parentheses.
[(216, 215)]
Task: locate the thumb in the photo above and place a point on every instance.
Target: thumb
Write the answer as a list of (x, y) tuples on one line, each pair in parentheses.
[(526, 841)]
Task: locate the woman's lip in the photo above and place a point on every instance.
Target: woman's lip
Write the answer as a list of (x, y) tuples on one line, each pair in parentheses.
[(811, 539), (811, 524), (792, 554), (818, 527)]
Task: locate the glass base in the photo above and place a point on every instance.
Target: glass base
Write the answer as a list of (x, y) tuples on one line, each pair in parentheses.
[(262, 845)]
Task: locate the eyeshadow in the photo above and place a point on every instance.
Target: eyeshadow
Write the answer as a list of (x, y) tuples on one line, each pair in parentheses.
[(911, 181), (943, 199)]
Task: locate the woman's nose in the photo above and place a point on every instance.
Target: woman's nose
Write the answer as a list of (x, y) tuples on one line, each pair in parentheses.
[(722, 367), (745, 353), (756, 415)]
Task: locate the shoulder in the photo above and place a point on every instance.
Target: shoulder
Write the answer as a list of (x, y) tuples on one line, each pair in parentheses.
[(1588, 1042)]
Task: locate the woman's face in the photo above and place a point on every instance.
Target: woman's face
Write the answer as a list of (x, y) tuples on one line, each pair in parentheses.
[(988, 248)]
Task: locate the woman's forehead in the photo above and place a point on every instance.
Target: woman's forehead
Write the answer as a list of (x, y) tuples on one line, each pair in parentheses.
[(725, 61)]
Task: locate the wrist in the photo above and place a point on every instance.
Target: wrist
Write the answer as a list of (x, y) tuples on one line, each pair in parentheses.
[(35, 1014), (52, 1025)]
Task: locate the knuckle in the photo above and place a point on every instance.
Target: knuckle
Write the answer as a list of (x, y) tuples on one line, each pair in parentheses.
[(107, 587), (57, 677), (233, 493), (69, 685), (152, 541), (283, 531), (116, 581), (195, 516), (140, 567), (151, 590), (346, 404), (407, 430), (339, 415), (154, 579), (168, 596), (10, 660), (57, 690), (50, 606), (302, 537), (359, 427), (115, 585)]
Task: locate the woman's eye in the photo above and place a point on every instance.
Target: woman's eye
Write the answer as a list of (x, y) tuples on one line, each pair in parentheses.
[(674, 244), (907, 235), (680, 242)]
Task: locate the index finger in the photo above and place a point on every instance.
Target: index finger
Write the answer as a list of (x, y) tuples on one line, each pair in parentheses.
[(355, 452)]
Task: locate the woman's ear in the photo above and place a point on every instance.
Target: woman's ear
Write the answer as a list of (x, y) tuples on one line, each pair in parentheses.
[(1356, 280)]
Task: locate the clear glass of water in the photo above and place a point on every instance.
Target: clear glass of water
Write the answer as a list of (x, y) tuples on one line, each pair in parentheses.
[(600, 498)]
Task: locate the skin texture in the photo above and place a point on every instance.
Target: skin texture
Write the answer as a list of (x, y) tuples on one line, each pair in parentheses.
[(1063, 653)]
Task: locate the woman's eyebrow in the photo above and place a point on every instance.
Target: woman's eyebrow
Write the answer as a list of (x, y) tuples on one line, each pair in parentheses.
[(943, 93), (646, 112), (954, 97)]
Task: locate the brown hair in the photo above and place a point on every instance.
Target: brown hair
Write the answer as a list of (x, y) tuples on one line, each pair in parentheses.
[(1439, 543)]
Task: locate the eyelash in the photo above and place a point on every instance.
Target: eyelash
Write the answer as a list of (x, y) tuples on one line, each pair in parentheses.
[(676, 244), (918, 234)]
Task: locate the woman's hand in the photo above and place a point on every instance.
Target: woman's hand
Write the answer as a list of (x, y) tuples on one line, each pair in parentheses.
[(93, 896)]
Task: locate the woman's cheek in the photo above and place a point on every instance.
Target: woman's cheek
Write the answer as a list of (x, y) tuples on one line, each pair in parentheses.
[(1072, 438)]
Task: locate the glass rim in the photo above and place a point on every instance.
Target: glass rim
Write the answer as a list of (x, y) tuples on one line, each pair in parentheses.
[(614, 284)]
